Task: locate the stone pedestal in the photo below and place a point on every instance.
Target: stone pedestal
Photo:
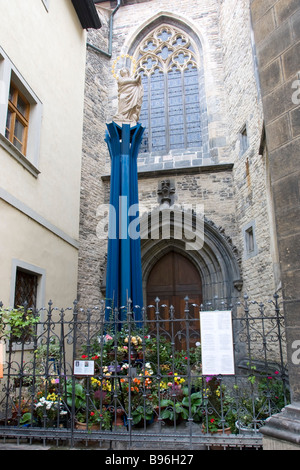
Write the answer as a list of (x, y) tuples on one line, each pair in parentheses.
[(282, 431)]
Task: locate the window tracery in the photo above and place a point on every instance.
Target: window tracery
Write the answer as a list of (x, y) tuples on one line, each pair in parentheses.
[(168, 63)]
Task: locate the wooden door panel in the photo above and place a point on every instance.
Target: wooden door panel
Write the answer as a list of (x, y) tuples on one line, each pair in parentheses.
[(172, 279)]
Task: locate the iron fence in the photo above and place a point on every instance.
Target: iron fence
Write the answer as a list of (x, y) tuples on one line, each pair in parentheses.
[(84, 375)]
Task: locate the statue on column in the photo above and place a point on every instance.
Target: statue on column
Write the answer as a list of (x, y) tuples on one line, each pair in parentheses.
[(130, 97)]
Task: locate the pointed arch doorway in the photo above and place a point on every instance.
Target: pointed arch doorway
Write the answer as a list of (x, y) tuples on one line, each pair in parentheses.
[(171, 279)]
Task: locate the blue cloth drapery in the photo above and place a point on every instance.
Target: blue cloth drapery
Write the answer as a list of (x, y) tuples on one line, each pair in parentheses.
[(124, 268)]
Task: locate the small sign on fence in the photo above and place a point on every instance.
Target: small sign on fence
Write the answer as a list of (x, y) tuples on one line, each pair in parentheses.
[(217, 343), (84, 367)]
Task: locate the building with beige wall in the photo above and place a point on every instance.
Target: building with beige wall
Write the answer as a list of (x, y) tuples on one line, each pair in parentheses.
[(42, 72)]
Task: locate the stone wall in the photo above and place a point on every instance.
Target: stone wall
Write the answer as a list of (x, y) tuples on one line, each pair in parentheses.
[(92, 250), (277, 34), (233, 198)]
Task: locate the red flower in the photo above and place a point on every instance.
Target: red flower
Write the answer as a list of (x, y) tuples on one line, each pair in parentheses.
[(92, 413), (84, 356), (212, 420), (186, 358), (95, 357)]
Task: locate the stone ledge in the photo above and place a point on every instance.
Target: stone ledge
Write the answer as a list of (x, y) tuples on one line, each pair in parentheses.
[(284, 428), (179, 171)]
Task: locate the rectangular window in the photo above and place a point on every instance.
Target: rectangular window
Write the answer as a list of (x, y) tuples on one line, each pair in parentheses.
[(249, 240), (25, 296), (25, 289), (20, 116), (250, 244), (16, 130), (244, 142)]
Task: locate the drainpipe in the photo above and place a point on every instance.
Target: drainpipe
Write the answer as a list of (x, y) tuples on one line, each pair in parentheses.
[(109, 53)]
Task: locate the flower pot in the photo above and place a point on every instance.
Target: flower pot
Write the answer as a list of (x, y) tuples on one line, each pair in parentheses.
[(144, 422), (244, 429), (84, 426), (220, 432)]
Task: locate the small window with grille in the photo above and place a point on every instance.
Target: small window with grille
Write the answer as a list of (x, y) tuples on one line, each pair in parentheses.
[(26, 295), (25, 289)]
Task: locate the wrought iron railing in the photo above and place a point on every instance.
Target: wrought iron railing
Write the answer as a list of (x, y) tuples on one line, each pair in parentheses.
[(74, 374)]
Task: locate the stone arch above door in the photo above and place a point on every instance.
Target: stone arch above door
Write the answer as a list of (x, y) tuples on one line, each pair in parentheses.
[(217, 261)]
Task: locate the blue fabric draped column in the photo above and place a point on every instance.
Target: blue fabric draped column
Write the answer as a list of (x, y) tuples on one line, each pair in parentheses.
[(124, 268)]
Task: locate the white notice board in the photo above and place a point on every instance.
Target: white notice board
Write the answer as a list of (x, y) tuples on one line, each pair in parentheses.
[(217, 343), (84, 367)]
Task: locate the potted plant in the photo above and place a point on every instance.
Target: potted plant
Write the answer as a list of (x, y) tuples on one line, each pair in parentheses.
[(192, 402), (100, 419), (96, 420), (172, 412), (49, 409), (17, 324), (143, 415)]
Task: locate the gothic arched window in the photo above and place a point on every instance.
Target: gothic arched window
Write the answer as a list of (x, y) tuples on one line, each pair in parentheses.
[(166, 59)]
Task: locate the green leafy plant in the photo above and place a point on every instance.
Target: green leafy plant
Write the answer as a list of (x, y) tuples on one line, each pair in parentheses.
[(140, 413), (26, 419), (102, 418), (79, 395), (49, 350), (192, 402), (171, 410), (17, 323)]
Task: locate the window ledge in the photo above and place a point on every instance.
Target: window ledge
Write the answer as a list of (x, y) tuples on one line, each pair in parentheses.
[(17, 155)]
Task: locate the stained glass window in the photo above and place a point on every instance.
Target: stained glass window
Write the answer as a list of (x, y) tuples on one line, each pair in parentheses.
[(166, 59)]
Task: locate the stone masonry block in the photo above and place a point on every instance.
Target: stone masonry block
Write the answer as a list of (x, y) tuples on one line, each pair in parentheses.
[(286, 195), (278, 102), (264, 26), (295, 122), (278, 133), (284, 160), (274, 45), (271, 77), (291, 62), (286, 219), (285, 8), (295, 22), (259, 8)]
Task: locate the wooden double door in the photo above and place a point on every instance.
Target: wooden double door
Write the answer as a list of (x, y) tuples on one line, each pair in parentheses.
[(171, 279)]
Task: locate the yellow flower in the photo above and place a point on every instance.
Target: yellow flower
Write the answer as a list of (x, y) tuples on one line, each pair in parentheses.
[(52, 397)]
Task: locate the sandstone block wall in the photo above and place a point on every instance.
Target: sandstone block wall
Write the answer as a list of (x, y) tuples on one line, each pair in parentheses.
[(276, 25)]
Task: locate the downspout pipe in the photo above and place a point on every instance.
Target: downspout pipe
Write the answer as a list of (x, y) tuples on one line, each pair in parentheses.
[(111, 19)]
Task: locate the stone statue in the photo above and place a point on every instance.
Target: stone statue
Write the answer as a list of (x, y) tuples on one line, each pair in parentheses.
[(130, 98)]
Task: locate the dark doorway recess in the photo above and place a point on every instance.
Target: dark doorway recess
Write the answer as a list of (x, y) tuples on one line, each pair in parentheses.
[(171, 279)]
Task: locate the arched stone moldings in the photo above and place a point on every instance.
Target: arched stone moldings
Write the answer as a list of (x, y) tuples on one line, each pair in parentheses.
[(218, 261)]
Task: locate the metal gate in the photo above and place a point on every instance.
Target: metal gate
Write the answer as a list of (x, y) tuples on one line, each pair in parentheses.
[(74, 375)]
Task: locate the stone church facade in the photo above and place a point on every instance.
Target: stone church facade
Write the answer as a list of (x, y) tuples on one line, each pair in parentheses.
[(203, 147)]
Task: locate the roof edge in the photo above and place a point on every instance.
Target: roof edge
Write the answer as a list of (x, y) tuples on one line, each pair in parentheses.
[(87, 14)]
